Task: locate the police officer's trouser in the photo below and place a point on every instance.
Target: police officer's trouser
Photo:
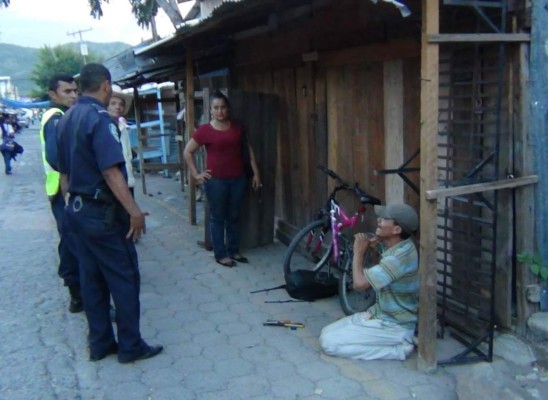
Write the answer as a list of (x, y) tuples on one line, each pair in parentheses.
[(68, 261), (108, 266)]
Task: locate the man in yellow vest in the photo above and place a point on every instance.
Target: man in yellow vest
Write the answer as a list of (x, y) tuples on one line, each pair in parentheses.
[(63, 93)]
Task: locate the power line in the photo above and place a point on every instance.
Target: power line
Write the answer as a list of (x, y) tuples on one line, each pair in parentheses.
[(83, 46)]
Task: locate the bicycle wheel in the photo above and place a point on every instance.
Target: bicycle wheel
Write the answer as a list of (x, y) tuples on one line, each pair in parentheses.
[(310, 249), (351, 300)]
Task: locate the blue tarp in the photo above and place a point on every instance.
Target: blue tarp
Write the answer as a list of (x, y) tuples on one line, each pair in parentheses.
[(24, 104)]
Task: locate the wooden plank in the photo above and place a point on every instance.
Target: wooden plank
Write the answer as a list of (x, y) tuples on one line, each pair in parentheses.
[(374, 128), (427, 361), (190, 123), (438, 194), (334, 100), (161, 166), (305, 137), (320, 130), (393, 129), (397, 49), (479, 38), (411, 125)]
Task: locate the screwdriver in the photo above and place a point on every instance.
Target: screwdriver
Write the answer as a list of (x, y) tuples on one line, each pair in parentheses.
[(286, 324)]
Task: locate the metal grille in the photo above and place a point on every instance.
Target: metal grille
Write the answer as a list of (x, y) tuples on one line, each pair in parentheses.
[(471, 89)]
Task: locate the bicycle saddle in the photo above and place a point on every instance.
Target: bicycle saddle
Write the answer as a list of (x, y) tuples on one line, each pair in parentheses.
[(366, 198)]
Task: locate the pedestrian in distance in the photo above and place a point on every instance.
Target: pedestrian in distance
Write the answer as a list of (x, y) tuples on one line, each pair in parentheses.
[(105, 219), (386, 329), (118, 108), (63, 92), (7, 145), (224, 179)]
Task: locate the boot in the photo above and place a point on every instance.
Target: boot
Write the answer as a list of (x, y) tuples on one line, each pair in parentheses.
[(76, 305)]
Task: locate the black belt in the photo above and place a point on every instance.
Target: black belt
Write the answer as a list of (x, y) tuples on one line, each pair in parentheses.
[(100, 196)]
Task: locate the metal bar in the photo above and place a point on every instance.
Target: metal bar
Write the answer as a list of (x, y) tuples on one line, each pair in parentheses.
[(480, 37), (469, 3), (486, 18)]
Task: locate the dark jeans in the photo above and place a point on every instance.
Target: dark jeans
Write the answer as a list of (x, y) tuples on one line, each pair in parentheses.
[(225, 198), (7, 160), (68, 261)]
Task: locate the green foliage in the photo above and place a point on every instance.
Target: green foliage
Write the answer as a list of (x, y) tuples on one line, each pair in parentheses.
[(143, 10), (56, 60), (536, 265), (18, 61)]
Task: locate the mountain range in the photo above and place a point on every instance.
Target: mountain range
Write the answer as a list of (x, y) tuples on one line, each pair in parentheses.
[(17, 62)]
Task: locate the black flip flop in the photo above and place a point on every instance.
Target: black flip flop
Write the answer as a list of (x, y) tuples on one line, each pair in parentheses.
[(240, 259), (228, 264)]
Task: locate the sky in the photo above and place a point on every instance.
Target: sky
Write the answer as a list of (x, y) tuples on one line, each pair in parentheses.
[(35, 23)]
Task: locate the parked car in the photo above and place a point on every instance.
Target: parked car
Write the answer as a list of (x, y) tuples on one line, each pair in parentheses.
[(23, 119)]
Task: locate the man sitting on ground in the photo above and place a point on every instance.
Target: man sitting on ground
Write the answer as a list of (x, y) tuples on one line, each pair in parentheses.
[(385, 330)]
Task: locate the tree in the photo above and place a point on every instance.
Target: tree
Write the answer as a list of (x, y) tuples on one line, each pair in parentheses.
[(144, 11), (59, 60)]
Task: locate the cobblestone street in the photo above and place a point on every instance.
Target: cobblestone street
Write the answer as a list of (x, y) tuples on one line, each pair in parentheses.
[(211, 326)]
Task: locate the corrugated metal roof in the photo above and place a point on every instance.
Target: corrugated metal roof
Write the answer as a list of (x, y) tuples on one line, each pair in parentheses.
[(230, 17)]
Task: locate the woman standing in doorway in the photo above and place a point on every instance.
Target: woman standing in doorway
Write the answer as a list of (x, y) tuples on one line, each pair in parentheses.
[(224, 178)]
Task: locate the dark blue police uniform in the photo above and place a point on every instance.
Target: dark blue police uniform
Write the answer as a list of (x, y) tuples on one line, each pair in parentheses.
[(89, 143), (68, 263)]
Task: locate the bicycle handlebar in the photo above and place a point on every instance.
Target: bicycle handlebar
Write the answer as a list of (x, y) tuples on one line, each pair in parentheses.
[(363, 196)]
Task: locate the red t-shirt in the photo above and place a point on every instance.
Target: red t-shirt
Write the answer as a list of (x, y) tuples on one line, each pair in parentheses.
[(224, 150)]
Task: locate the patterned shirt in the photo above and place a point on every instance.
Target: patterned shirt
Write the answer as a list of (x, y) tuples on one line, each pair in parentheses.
[(396, 283)]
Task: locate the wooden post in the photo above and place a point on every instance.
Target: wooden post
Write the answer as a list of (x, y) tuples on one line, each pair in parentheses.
[(190, 118), (179, 135), (427, 361), (525, 197), (139, 136)]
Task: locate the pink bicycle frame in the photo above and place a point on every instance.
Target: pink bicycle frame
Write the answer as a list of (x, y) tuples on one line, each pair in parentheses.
[(339, 221)]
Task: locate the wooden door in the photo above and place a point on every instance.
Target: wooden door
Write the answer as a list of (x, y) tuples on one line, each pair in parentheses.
[(259, 113)]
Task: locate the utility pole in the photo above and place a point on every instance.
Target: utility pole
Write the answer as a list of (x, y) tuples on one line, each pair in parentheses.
[(83, 46)]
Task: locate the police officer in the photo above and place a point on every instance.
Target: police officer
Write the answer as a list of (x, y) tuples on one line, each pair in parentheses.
[(63, 92), (106, 220)]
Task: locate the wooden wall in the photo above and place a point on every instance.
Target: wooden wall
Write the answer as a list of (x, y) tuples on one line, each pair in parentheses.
[(335, 116), (332, 87)]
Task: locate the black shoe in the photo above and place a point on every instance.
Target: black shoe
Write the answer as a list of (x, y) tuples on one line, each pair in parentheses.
[(76, 305), (97, 357), (150, 352)]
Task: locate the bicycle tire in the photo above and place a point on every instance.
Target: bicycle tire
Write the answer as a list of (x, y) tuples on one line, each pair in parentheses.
[(311, 256), (352, 301)]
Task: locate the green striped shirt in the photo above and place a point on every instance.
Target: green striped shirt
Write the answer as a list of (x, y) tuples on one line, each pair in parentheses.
[(396, 283)]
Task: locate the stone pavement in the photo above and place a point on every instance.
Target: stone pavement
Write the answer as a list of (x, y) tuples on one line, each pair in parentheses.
[(211, 326)]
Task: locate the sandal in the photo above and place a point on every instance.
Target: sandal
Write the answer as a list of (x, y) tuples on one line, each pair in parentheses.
[(226, 262), (240, 258)]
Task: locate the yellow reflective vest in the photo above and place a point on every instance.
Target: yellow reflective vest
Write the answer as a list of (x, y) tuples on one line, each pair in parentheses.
[(53, 178)]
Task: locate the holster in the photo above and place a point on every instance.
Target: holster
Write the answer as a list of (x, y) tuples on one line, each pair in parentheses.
[(111, 206)]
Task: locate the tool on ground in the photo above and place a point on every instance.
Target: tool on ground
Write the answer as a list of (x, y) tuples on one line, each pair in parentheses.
[(286, 324)]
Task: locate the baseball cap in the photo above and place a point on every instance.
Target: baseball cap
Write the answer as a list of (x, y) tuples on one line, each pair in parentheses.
[(402, 214)]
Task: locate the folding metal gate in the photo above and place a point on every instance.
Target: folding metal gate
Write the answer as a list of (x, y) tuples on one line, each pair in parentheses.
[(471, 92)]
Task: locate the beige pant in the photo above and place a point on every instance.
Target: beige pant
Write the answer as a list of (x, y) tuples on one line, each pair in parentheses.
[(360, 337)]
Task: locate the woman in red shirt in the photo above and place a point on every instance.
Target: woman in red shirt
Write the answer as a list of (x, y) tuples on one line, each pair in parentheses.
[(224, 178)]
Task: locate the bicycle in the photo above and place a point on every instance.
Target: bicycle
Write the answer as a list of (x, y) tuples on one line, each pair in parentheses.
[(322, 244)]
